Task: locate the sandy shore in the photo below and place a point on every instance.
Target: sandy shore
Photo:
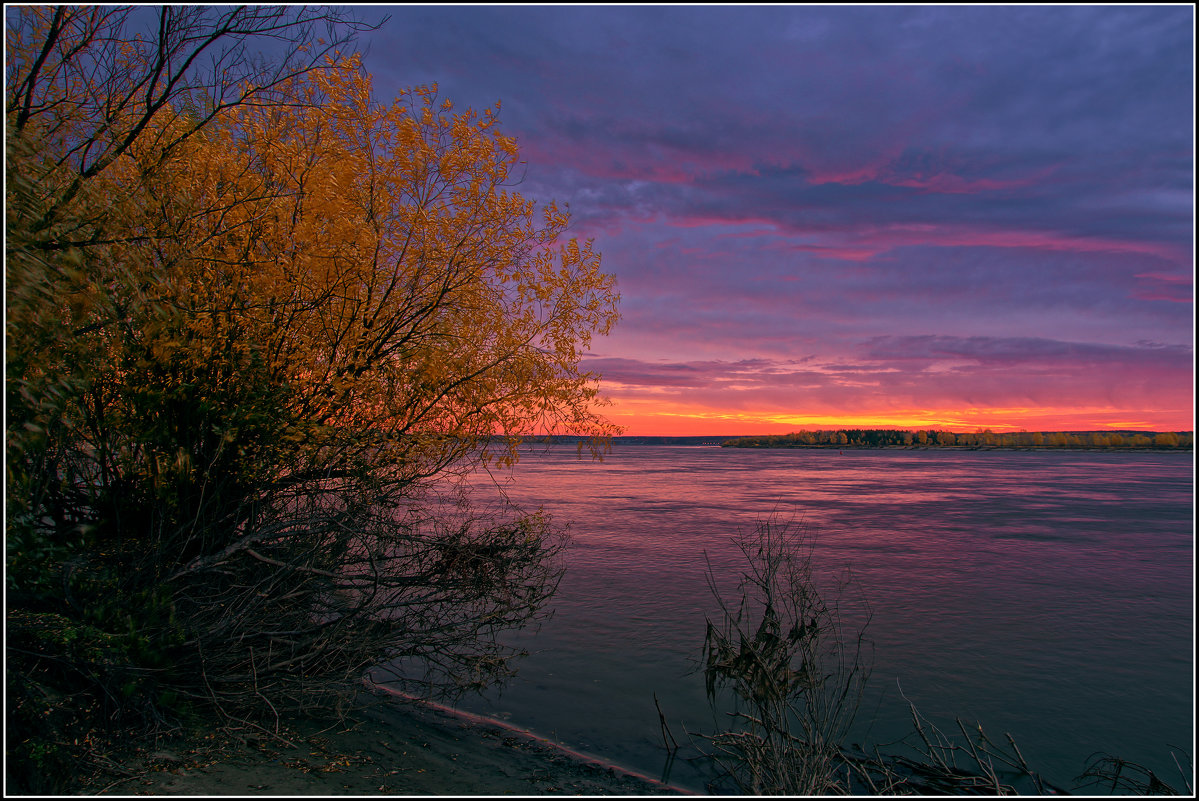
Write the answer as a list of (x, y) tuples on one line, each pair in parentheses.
[(390, 746)]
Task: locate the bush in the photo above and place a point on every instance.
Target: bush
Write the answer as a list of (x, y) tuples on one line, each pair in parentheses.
[(795, 679)]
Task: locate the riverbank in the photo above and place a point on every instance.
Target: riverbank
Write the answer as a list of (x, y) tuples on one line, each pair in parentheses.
[(386, 747)]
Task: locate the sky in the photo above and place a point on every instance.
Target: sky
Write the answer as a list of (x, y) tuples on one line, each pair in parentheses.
[(845, 217)]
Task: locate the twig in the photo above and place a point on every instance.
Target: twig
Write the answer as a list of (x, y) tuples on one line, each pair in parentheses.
[(665, 729), (108, 787), (1181, 773)]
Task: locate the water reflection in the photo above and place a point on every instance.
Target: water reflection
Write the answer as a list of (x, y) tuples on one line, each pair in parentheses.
[(1044, 594)]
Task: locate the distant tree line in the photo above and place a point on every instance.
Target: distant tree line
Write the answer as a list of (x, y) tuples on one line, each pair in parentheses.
[(892, 438)]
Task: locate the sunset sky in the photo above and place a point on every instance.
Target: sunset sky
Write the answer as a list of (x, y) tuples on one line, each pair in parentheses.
[(825, 217)]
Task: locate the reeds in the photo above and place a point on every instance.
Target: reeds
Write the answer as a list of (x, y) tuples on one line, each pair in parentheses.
[(782, 657), (943, 765), (793, 675)]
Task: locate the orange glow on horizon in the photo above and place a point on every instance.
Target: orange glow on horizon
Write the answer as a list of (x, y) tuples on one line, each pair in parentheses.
[(641, 418)]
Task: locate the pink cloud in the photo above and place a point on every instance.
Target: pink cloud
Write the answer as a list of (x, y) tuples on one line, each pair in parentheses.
[(1162, 286), (857, 243), (1026, 379)]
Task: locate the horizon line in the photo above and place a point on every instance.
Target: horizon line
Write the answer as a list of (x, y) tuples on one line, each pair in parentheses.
[(876, 428)]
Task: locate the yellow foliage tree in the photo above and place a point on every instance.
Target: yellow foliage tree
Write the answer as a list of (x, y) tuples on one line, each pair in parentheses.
[(250, 318), (371, 261)]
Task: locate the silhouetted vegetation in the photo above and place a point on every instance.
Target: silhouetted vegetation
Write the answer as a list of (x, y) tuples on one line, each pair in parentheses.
[(780, 655), (788, 677), (977, 440)]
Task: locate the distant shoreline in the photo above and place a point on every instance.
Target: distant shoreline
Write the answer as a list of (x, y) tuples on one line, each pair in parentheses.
[(1003, 448), (975, 441), (1129, 440), (755, 444)]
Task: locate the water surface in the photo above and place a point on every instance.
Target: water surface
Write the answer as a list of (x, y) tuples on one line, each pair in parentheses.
[(1045, 594)]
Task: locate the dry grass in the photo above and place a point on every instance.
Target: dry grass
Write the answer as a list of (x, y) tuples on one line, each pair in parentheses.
[(788, 676)]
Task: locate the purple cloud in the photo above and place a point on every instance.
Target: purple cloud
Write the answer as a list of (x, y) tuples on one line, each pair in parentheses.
[(1009, 185)]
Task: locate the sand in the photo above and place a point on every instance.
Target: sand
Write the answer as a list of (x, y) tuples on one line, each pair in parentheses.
[(388, 747)]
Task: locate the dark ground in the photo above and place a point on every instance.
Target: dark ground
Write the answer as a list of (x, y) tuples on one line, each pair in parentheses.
[(388, 747)]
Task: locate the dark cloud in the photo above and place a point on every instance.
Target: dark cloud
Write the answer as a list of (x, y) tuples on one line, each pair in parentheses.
[(1027, 352)]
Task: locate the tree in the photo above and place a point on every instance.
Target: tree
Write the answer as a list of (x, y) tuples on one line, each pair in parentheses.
[(253, 316)]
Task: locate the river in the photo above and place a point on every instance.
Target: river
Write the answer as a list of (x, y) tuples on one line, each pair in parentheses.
[(1048, 595)]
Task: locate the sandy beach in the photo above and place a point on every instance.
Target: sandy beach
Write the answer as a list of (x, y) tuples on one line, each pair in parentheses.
[(388, 747)]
